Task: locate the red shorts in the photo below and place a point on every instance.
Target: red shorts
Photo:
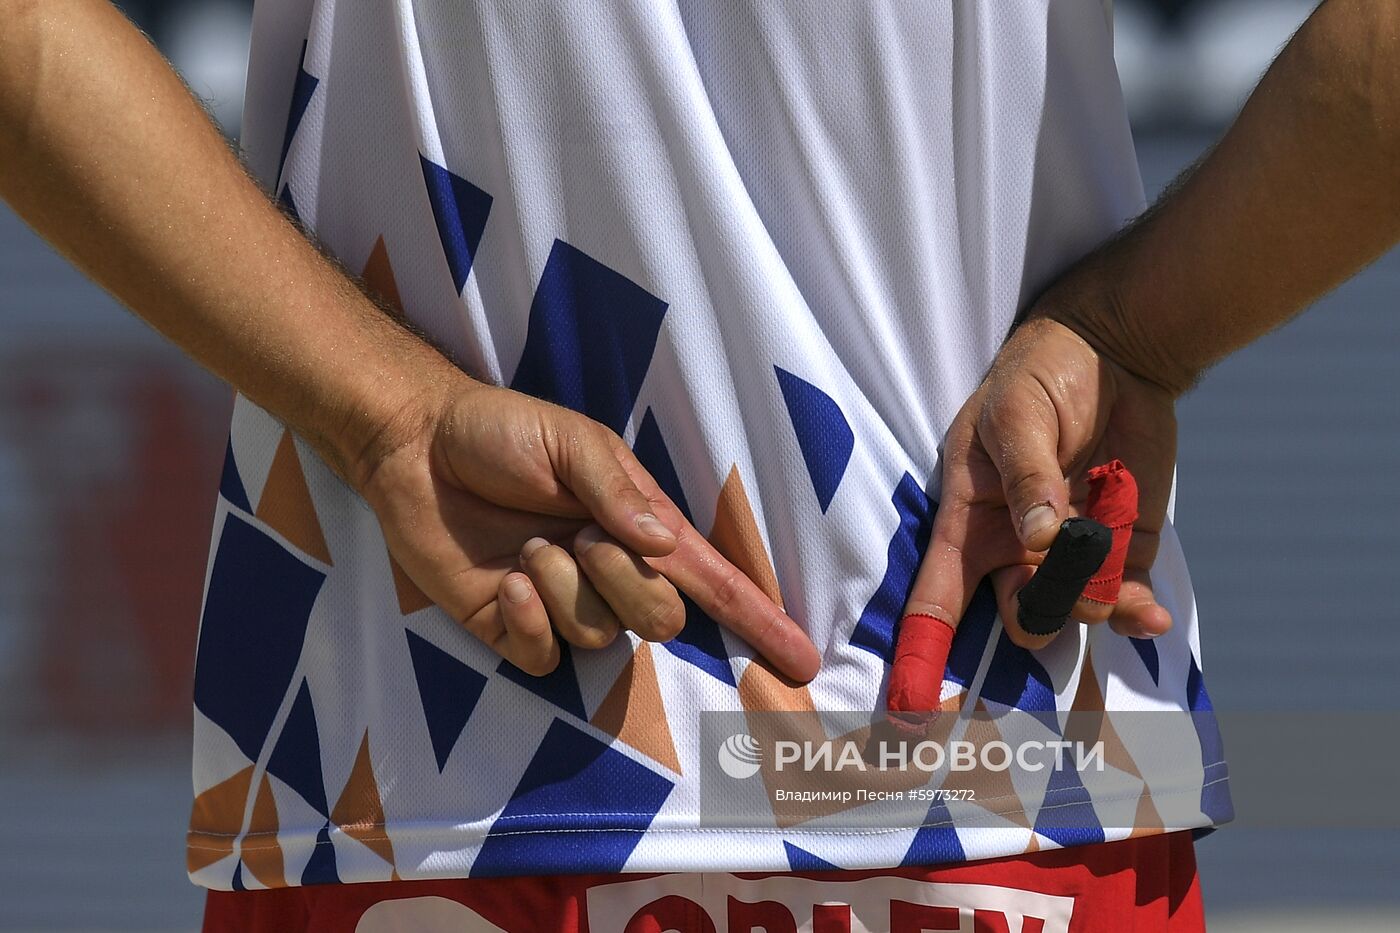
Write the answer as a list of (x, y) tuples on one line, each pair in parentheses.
[(1138, 885)]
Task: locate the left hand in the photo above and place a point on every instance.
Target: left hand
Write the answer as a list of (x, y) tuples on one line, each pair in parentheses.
[(1014, 464)]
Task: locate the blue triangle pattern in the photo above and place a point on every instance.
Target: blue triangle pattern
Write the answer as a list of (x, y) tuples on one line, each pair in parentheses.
[(256, 610), (591, 337), (231, 484), (800, 859), (581, 806), (1215, 789), (296, 759), (1066, 813), (448, 691), (874, 631), (302, 90), (970, 642), (823, 434), (937, 841), (321, 867), (1147, 650), (651, 451), (559, 686), (1016, 679), (460, 210)]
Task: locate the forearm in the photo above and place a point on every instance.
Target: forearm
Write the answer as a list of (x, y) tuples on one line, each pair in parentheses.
[(107, 156), (1302, 192)]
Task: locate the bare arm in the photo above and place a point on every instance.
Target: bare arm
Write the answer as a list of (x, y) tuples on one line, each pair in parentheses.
[(105, 154), (108, 157), (1302, 192)]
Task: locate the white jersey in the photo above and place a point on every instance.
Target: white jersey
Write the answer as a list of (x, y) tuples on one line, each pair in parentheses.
[(775, 246)]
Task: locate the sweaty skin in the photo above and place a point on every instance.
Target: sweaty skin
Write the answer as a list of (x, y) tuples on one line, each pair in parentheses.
[(527, 522)]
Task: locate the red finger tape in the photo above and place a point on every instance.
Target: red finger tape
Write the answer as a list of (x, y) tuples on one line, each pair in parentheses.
[(916, 677), (1113, 502), (921, 653)]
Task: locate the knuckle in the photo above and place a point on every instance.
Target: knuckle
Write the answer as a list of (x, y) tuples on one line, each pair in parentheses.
[(1092, 612), (917, 606), (481, 623), (593, 637), (1023, 639), (531, 628), (537, 664), (726, 595), (604, 558), (621, 487), (662, 620), (1026, 487), (547, 560), (480, 630)]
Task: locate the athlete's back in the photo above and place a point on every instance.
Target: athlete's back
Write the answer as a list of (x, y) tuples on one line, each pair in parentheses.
[(773, 245)]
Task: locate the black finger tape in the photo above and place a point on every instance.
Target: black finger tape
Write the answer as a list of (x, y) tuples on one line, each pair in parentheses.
[(1077, 553)]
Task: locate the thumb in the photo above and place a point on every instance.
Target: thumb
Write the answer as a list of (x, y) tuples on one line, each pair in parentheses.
[(599, 472), (1020, 431)]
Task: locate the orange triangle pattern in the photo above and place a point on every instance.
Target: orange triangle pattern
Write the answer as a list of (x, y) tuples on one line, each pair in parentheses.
[(411, 598), (993, 791), (1147, 821), (633, 710), (261, 851), (378, 276), (360, 811), (763, 690), (1086, 717), (735, 535), (286, 503), (1087, 722), (215, 820)]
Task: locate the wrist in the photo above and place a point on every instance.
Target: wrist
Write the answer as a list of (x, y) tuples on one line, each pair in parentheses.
[(360, 391), (396, 408), (1097, 300)]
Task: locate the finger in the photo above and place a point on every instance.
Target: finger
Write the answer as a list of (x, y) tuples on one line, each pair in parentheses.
[(1006, 584), (578, 613), (643, 600), (936, 603), (948, 575), (1138, 614), (727, 595), (1019, 429), (593, 469), (1092, 611), (524, 637)]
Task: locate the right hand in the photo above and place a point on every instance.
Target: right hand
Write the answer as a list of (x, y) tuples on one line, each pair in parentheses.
[(1014, 467), (529, 523)]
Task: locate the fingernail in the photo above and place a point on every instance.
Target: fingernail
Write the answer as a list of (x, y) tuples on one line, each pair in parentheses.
[(652, 526), (531, 546), (517, 590), (1036, 521), (586, 538)]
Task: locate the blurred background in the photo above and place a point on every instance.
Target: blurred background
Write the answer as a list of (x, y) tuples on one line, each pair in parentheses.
[(110, 445)]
